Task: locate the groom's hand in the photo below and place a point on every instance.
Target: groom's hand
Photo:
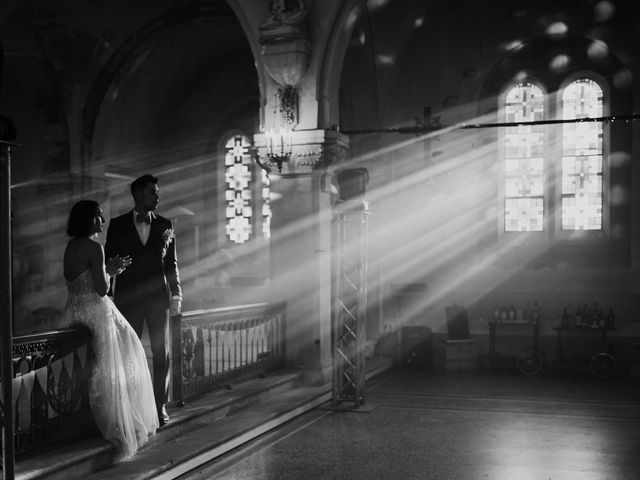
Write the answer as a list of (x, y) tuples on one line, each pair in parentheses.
[(175, 307)]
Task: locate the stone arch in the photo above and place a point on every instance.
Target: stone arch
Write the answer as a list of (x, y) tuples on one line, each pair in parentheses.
[(331, 64), (535, 57), (135, 49), (250, 19), (585, 57)]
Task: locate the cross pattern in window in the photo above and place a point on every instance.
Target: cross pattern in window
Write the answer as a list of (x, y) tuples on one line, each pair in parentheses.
[(528, 160), (582, 147), (239, 193)]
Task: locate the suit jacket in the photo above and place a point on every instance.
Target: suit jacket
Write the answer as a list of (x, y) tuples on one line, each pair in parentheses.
[(153, 273)]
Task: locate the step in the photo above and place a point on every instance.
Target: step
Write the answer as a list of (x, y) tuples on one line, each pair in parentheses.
[(202, 430), (78, 460), (170, 459)]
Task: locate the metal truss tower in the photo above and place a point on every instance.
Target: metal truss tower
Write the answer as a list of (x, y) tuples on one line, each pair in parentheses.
[(350, 302)]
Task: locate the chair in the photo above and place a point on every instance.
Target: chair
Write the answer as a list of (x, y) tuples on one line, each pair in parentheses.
[(457, 324), (458, 352)]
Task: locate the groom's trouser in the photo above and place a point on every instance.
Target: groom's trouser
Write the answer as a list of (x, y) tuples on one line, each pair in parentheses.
[(157, 319)]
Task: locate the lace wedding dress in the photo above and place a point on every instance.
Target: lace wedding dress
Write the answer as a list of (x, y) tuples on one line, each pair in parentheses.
[(120, 388)]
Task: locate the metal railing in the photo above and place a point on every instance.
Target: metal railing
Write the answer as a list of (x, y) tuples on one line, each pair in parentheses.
[(216, 347), (225, 345), (50, 388)]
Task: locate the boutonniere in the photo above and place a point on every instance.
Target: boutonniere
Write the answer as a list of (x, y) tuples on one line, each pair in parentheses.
[(167, 236)]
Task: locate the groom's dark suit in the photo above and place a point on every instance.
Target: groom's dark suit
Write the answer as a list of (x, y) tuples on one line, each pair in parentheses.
[(144, 290)]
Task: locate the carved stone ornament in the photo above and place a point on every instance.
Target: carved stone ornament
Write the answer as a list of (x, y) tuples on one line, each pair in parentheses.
[(311, 150), (333, 154), (286, 51), (285, 12)]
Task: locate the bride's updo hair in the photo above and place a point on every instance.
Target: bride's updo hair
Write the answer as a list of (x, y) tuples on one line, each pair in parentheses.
[(82, 218)]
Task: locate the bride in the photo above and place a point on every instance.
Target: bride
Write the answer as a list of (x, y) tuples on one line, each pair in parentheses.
[(120, 388)]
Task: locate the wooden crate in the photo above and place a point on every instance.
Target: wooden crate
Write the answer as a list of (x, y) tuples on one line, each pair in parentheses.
[(455, 356)]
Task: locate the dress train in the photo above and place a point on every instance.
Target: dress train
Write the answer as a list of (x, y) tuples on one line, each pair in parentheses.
[(120, 389)]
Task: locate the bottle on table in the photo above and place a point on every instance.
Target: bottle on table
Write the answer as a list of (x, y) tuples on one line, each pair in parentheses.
[(535, 314), (610, 320)]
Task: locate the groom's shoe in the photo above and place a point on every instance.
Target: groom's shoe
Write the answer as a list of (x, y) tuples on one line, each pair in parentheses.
[(163, 416)]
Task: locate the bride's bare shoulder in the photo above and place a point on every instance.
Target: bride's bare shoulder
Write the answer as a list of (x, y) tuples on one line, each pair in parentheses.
[(81, 254), (78, 248), (82, 243)]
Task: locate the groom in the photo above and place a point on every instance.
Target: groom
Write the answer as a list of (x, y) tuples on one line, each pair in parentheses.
[(149, 289)]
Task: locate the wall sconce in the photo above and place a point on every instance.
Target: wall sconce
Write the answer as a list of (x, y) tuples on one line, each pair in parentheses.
[(286, 55), (278, 147), (279, 139)]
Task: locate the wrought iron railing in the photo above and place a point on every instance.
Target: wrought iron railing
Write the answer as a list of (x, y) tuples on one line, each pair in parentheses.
[(50, 389), (217, 347), (225, 345)]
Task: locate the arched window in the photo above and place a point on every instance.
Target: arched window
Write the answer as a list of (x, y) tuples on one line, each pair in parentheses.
[(247, 194), (524, 160), (558, 182), (582, 153)]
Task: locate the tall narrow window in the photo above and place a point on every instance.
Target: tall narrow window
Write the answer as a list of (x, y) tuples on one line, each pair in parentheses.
[(582, 157), (245, 194), (266, 204), (524, 160)]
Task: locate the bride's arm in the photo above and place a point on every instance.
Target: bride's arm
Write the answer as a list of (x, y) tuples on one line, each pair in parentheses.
[(96, 263)]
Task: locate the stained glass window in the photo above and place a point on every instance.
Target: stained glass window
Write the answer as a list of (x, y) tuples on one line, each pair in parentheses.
[(582, 157), (239, 197), (266, 204), (524, 160)]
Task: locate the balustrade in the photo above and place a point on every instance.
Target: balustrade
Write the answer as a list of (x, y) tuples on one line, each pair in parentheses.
[(223, 345), (213, 349), (50, 388)]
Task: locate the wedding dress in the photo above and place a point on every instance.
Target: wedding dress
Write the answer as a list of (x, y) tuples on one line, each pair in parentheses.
[(120, 388)]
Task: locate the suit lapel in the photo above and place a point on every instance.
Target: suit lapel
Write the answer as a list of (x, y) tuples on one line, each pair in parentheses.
[(153, 231)]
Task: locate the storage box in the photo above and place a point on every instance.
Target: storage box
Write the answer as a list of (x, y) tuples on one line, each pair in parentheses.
[(415, 347), (455, 356)]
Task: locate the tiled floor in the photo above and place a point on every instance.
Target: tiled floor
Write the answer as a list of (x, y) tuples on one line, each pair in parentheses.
[(421, 425)]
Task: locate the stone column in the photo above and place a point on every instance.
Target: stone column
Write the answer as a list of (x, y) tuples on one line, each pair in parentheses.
[(301, 255)]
